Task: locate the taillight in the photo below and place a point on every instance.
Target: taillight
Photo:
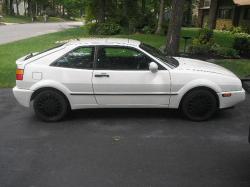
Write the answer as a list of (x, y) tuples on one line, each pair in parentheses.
[(19, 74)]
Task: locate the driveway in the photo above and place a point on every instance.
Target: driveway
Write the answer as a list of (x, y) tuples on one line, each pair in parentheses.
[(123, 147), (10, 33)]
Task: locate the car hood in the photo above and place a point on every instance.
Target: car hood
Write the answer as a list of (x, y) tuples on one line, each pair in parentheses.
[(202, 66)]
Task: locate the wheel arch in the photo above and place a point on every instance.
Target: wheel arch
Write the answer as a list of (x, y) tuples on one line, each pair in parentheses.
[(175, 101), (201, 88)]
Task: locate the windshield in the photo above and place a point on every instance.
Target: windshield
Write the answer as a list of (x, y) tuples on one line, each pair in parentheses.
[(170, 61)]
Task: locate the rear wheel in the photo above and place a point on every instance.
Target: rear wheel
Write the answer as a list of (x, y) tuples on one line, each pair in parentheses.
[(199, 105), (50, 105)]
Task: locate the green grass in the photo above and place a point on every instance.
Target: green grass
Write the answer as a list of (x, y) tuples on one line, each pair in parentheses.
[(15, 19), (26, 19), (240, 67), (12, 51)]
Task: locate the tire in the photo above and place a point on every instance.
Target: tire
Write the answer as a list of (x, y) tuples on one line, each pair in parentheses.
[(50, 106), (199, 105)]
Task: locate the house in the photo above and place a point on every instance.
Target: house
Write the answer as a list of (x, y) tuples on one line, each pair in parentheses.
[(230, 13)]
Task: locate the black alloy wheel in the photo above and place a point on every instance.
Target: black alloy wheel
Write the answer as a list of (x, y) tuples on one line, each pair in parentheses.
[(50, 106), (199, 105)]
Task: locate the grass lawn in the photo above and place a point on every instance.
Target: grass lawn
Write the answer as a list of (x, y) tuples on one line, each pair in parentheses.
[(25, 19), (240, 67), (12, 51)]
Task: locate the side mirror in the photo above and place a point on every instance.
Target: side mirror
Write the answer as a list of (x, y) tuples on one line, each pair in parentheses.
[(153, 67)]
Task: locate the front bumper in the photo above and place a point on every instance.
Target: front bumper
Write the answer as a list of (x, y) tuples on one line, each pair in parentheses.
[(22, 96), (235, 98)]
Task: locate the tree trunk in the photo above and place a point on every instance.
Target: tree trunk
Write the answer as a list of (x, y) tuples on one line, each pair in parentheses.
[(11, 8), (29, 8), (160, 19), (174, 29), (17, 7), (143, 6), (101, 15), (5, 7), (63, 11), (212, 14), (25, 10)]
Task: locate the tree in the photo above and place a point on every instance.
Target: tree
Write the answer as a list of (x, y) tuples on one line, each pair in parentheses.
[(17, 7), (212, 14), (11, 8), (161, 16), (174, 29)]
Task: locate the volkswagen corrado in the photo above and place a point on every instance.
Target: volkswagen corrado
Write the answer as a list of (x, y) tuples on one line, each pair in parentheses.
[(121, 73)]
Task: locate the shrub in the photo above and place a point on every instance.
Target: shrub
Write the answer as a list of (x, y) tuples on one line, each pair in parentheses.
[(108, 28), (206, 36), (225, 52), (242, 44), (202, 45), (147, 30), (236, 30), (200, 49)]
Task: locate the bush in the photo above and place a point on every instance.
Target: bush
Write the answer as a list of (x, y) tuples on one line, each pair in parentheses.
[(206, 36), (147, 30), (200, 49), (236, 30), (242, 44), (104, 28), (202, 45), (225, 52)]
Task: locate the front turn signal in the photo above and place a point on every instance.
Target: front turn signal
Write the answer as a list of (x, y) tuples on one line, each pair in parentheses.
[(227, 94)]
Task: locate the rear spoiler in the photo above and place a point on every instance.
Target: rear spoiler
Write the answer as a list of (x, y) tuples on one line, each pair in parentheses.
[(20, 60)]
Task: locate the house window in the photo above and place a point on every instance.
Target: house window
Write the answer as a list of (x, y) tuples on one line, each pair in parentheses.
[(225, 13), (207, 3), (247, 14)]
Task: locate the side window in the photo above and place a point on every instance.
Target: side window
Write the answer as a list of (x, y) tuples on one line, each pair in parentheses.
[(81, 58), (122, 58)]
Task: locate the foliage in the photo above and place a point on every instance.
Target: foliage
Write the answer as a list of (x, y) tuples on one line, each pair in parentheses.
[(236, 30), (242, 44), (203, 43), (205, 36), (147, 30), (225, 52), (104, 28)]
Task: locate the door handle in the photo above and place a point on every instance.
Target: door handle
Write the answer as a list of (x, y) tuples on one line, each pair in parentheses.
[(101, 75)]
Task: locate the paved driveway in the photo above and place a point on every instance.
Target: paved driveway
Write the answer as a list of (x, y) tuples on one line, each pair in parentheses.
[(10, 33), (134, 147)]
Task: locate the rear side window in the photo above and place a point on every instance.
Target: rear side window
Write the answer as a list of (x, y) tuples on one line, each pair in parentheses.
[(121, 58), (81, 58)]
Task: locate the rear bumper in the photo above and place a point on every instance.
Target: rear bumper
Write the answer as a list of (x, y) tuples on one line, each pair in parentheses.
[(235, 98), (22, 96)]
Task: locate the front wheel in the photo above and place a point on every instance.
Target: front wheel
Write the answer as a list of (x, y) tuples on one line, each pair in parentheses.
[(199, 105), (50, 106)]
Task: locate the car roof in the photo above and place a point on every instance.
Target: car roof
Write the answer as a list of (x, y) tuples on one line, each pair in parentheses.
[(105, 41)]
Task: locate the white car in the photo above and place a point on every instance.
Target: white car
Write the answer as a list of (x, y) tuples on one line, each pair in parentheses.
[(121, 73)]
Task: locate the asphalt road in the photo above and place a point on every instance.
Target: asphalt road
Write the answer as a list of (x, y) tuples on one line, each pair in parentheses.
[(10, 33), (136, 147)]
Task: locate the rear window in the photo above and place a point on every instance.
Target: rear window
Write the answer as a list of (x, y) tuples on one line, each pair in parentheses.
[(35, 54)]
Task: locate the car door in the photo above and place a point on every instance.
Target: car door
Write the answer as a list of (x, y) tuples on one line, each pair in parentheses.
[(75, 70), (122, 77)]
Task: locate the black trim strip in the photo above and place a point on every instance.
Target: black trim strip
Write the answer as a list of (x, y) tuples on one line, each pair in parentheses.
[(122, 94)]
